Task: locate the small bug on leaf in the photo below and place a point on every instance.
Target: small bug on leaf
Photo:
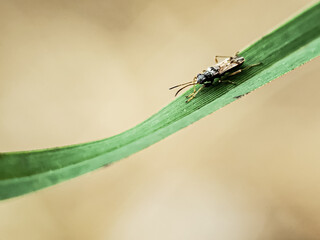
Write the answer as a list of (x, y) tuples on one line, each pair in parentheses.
[(214, 74)]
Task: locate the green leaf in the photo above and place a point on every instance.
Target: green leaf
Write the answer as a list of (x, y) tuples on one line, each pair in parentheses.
[(289, 46)]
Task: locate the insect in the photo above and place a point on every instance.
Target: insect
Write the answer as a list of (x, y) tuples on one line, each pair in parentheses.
[(215, 74)]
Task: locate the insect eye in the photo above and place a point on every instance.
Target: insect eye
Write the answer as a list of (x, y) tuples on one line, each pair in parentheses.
[(200, 78)]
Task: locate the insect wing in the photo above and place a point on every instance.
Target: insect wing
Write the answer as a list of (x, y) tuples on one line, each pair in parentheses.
[(226, 65)]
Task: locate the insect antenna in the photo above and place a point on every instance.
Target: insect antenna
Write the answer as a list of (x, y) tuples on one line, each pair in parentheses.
[(191, 84), (182, 84)]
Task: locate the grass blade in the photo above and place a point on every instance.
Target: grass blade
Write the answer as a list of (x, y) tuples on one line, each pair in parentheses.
[(289, 46)]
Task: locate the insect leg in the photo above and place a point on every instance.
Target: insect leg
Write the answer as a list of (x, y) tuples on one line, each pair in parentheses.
[(194, 87), (236, 72), (216, 58), (240, 70), (194, 94)]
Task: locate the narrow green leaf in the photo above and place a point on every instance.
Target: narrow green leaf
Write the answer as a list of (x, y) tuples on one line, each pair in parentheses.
[(289, 46)]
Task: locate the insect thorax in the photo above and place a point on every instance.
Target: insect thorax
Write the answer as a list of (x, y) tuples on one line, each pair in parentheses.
[(208, 75)]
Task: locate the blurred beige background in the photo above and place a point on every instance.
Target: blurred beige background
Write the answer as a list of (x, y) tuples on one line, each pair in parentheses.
[(76, 71)]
